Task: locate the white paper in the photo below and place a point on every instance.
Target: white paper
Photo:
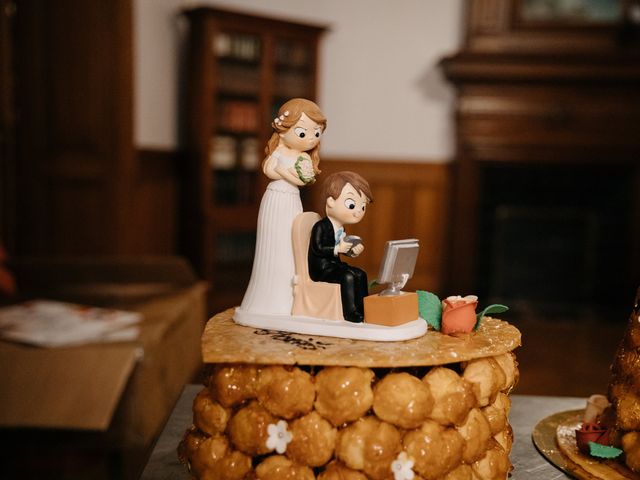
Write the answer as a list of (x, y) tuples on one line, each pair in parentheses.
[(54, 324)]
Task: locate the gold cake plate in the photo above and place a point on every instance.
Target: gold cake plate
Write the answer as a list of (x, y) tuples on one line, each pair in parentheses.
[(555, 438)]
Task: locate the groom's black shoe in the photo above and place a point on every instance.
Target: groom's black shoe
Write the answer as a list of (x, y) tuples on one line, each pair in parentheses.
[(355, 317)]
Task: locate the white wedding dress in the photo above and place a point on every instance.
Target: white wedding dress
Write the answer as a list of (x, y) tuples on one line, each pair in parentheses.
[(270, 289)]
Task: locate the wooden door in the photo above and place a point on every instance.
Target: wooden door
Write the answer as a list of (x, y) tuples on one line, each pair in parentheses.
[(74, 132)]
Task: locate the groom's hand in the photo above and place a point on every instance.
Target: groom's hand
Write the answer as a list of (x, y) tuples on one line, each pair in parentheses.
[(344, 247)]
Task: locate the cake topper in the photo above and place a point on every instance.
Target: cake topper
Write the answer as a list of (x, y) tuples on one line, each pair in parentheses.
[(298, 282)]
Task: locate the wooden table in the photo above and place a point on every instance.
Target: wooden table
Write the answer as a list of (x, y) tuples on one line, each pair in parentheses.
[(526, 412)]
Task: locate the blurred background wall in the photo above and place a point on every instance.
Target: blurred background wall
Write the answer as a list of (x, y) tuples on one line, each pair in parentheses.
[(379, 83)]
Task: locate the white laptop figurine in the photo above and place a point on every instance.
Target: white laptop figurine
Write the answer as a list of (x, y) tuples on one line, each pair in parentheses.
[(398, 264)]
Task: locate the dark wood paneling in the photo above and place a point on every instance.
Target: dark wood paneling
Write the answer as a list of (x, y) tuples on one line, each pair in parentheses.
[(76, 167), (155, 224), (7, 126)]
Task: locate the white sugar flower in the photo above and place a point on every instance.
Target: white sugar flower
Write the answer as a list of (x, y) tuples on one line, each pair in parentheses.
[(402, 467), (279, 437), (458, 298)]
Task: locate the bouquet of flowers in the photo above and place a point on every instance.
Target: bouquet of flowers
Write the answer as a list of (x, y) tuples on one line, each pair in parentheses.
[(304, 169)]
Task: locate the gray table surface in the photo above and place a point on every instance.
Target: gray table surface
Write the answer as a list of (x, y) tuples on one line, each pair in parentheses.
[(526, 412)]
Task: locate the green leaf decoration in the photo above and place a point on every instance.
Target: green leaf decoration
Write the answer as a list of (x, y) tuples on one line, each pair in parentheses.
[(494, 308), (430, 308), (603, 451)]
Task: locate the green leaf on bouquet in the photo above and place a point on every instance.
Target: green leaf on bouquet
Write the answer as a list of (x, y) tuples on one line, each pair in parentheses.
[(430, 308)]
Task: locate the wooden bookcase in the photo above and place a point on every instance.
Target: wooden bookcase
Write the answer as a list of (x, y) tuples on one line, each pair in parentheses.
[(240, 69)]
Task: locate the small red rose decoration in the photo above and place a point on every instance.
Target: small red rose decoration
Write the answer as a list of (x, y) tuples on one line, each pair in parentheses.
[(459, 314)]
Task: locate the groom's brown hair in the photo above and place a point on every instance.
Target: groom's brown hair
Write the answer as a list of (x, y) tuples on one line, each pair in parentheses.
[(334, 183)]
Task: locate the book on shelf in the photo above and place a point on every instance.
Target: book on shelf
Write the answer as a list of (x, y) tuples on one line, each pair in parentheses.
[(239, 116), (250, 153), (246, 187), (222, 152), (235, 248), (237, 46), (292, 54), (292, 84), (225, 189), (239, 79)]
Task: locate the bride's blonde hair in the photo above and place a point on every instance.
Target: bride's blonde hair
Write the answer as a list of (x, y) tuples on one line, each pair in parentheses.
[(295, 108)]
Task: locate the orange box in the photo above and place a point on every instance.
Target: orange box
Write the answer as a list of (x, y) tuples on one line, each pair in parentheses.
[(391, 310)]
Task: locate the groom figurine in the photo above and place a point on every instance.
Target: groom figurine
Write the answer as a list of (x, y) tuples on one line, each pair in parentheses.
[(347, 195)]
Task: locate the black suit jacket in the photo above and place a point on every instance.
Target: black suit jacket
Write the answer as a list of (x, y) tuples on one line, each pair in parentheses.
[(324, 266), (322, 262)]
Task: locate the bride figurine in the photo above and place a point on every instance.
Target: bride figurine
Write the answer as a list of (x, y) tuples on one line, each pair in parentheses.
[(291, 162)]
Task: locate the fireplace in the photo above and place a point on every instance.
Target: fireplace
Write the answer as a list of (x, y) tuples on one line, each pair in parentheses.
[(547, 175), (554, 235)]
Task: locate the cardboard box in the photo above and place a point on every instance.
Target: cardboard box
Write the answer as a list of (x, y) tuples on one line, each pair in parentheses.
[(126, 390), (391, 310)]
